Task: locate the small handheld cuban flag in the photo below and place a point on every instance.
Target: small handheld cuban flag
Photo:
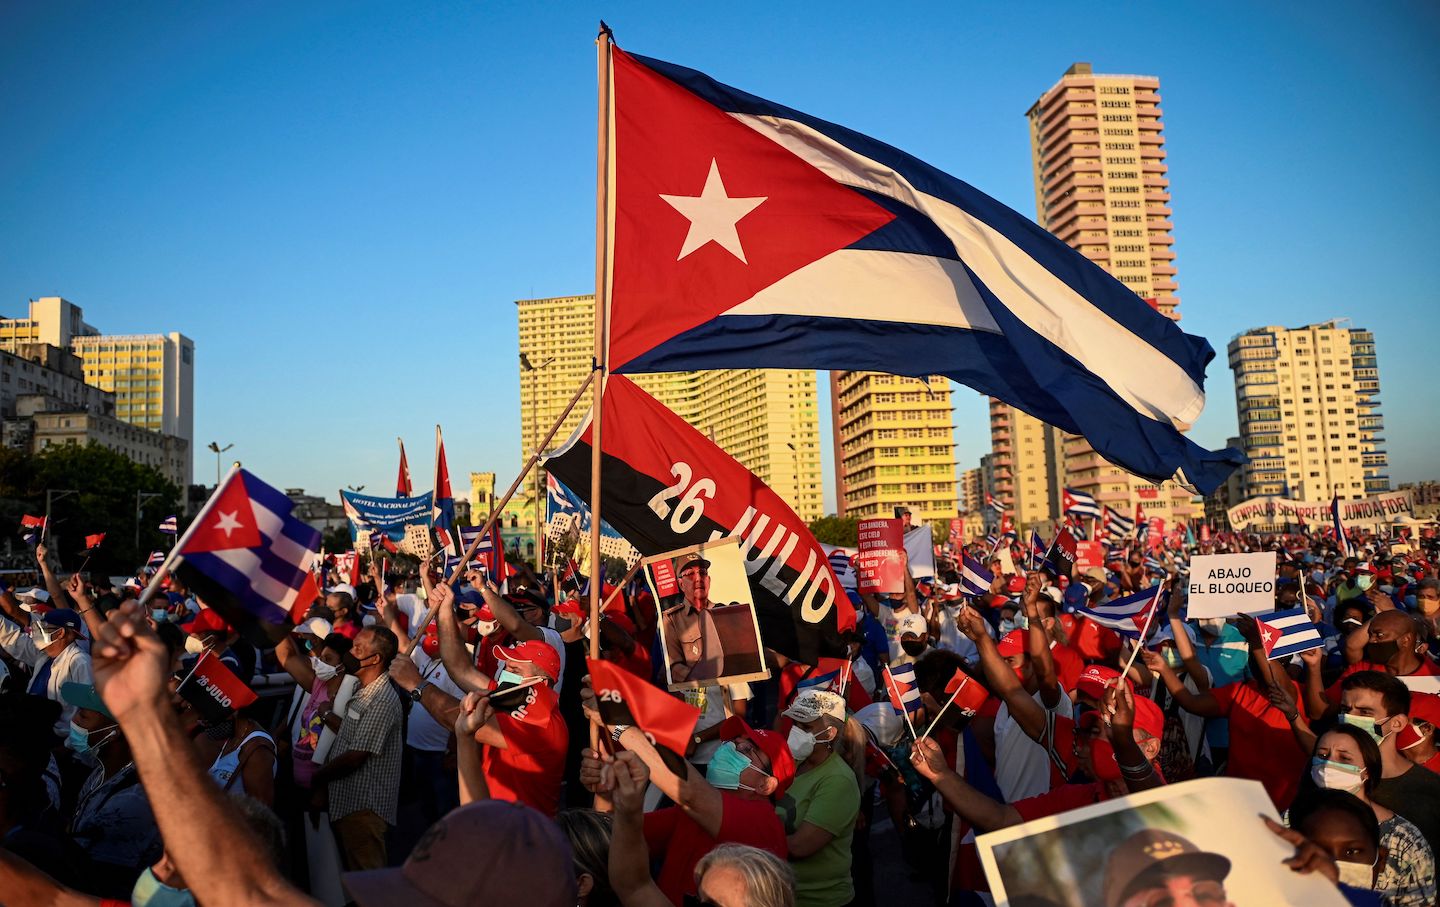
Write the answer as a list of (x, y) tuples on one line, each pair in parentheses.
[(32, 529), (155, 559), (995, 504), (1116, 525), (169, 525), (1125, 616), (904, 692), (1286, 633), (1037, 550), (825, 676), (974, 578), (94, 541)]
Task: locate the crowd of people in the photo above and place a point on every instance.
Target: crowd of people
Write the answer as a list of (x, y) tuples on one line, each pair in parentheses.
[(392, 758)]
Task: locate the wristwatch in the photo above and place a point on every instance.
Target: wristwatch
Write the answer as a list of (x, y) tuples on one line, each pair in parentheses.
[(419, 691)]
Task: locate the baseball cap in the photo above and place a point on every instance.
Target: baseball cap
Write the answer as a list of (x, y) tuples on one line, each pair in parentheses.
[(690, 560), (62, 617), (343, 587), (570, 608), (471, 597), (1148, 856), (912, 624), (487, 852), (1148, 717), (207, 621), (811, 704), (621, 620), (1016, 584), (84, 696), (1095, 679), (1053, 593), (773, 745), (525, 598), (532, 651), (1426, 707), (315, 626), (1012, 643), (34, 593)]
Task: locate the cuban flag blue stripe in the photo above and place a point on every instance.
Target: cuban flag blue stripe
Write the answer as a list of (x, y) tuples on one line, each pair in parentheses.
[(1024, 318), (1119, 613), (1298, 633), (973, 577)]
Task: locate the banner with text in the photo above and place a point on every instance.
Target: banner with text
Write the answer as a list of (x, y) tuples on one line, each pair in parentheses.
[(387, 515), (879, 567), (1223, 585), (1272, 511)]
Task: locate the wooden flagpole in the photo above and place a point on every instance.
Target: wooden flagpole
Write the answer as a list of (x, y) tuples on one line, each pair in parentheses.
[(603, 44), (499, 507)]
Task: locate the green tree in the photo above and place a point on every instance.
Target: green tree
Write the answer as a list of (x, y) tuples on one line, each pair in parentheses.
[(336, 539), (107, 484), (836, 530)]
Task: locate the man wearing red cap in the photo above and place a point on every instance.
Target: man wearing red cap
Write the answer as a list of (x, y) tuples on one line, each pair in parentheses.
[(1416, 741), (524, 738), (732, 801)]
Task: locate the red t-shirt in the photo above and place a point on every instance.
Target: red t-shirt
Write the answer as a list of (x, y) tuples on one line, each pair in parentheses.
[(1428, 668), (681, 842), (348, 629), (1433, 763), (1062, 799), (530, 767), (1068, 666), (1262, 746)]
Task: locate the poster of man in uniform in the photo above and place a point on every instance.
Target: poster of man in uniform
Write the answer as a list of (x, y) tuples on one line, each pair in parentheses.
[(708, 629), (1205, 837)]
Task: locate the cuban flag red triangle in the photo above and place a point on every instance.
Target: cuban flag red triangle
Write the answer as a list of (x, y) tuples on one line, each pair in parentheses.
[(709, 211), (229, 521)]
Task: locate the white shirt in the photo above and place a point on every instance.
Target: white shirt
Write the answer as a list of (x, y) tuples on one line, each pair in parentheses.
[(711, 703), (951, 638), (1022, 767), (423, 732), (72, 665)]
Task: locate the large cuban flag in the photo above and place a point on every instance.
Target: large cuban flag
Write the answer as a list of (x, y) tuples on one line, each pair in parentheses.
[(746, 234)]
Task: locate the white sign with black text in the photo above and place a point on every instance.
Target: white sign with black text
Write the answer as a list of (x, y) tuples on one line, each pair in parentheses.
[(1223, 585)]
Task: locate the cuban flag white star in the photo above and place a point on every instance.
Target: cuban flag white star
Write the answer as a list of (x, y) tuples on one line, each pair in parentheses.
[(227, 523), (713, 215)]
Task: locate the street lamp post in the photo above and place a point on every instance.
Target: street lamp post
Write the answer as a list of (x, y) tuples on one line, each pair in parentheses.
[(215, 446), (534, 371), (140, 498)]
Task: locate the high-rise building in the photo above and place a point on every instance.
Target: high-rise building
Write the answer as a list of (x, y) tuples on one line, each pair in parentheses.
[(1027, 465), (972, 489), (151, 375), (767, 419), (1309, 409), (1098, 153), (894, 445)]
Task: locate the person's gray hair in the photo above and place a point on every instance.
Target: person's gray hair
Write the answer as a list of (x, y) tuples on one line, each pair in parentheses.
[(263, 823), (769, 881)]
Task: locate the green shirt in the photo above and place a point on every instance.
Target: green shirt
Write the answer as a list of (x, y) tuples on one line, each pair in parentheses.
[(827, 796)]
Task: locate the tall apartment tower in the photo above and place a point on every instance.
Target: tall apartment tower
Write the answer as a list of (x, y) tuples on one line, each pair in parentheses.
[(768, 419), (1098, 151), (894, 445), (1027, 464), (1309, 409), (972, 490), (151, 375)]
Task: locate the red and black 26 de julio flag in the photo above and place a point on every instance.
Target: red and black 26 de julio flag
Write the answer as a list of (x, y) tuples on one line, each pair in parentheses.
[(667, 486)]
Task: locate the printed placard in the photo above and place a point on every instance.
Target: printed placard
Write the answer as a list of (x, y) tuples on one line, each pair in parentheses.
[(880, 565), (1223, 585)]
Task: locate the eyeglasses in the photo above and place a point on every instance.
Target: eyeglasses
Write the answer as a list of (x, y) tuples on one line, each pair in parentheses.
[(1206, 892)]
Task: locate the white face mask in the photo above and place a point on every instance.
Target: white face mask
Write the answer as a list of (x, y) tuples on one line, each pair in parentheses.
[(193, 645), (1357, 875), (322, 670), (801, 743), (486, 627)]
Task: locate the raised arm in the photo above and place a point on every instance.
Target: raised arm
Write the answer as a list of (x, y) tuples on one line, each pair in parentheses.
[(985, 813), (1203, 704), (509, 618), (52, 585), (1037, 641), (453, 653), (295, 664), (1027, 713), (626, 780), (1135, 766), (84, 604), (1193, 668), (699, 799), (222, 861), (474, 713)]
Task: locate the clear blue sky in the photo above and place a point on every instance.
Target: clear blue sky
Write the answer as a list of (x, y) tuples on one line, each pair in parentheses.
[(340, 201)]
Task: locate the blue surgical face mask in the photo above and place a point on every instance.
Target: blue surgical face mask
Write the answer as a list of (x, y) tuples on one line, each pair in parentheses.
[(509, 677), (151, 892), (160, 615), (1364, 581), (726, 767), (81, 741)]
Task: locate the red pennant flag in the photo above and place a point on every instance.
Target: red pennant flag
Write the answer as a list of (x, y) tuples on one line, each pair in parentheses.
[(214, 690), (309, 591), (624, 698), (402, 481), (969, 694), (32, 522), (93, 541)]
